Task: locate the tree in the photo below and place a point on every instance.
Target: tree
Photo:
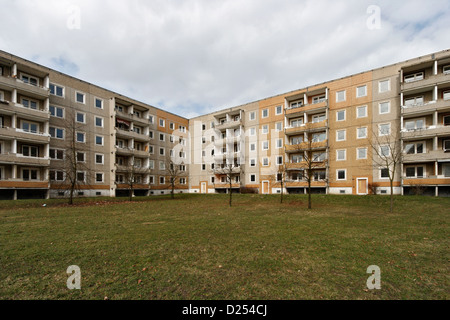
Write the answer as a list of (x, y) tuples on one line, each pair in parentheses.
[(312, 160), (75, 171), (174, 174), (386, 145), (134, 173), (279, 178), (230, 170)]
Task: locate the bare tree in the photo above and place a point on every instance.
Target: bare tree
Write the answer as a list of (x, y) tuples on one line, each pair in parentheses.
[(230, 170), (174, 174), (134, 173), (313, 160), (75, 172), (279, 178), (386, 145)]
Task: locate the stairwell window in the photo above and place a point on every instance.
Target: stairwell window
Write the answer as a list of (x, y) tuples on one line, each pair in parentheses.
[(340, 96), (361, 91), (384, 86), (80, 97), (340, 115)]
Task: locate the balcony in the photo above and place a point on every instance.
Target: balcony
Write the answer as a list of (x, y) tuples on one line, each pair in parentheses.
[(20, 184), (228, 125), (127, 134), (10, 83), (11, 108), (426, 108), (304, 146), (19, 134), (304, 165), (431, 81), (298, 111), (310, 127), (429, 132), (431, 156), (19, 159), (430, 181), (223, 185)]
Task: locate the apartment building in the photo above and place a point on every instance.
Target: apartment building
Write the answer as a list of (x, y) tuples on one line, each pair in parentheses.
[(333, 137)]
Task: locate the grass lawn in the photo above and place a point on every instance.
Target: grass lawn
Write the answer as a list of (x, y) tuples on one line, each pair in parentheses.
[(196, 247)]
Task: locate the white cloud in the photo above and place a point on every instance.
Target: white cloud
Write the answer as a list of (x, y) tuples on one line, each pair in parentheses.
[(192, 57)]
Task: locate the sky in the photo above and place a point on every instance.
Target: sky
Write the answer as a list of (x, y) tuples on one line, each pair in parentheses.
[(193, 57)]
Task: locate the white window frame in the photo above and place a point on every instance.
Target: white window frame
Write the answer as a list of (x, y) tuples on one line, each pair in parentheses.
[(84, 157), (345, 135), (388, 85), (22, 99), (446, 69), (424, 168), (84, 136), (279, 126), (82, 94), (344, 97), (358, 155), (250, 177), (101, 103), (276, 110), (365, 91), (345, 154), (84, 176), (361, 108), (379, 129), (337, 115), (446, 93), (102, 122), (162, 123), (252, 162), (56, 112), (415, 143), (279, 143), (252, 145), (263, 147), (56, 153), (265, 160), (30, 77), (103, 177), (414, 77), (264, 111), (58, 86), (252, 116), (103, 158), (388, 149), (84, 117), (103, 140), (337, 174), (38, 174), (265, 129), (357, 133), (56, 133), (388, 107)]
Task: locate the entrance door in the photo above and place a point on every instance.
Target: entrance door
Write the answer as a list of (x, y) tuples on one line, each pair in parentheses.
[(203, 187), (362, 185), (265, 187)]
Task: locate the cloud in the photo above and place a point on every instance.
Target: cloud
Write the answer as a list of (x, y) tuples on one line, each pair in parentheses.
[(193, 57)]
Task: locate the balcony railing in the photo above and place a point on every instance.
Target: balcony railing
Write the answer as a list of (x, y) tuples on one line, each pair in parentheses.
[(429, 131), (304, 146)]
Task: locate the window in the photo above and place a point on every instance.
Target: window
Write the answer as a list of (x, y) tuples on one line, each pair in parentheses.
[(341, 174), (162, 151), (296, 158), (361, 91), (162, 180), (341, 155), (446, 145), (28, 103), (81, 117), (385, 151), (265, 162), (384, 86), (319, 175), (415, 172), (296, 140), (361, 133), (162, 165), (99, 140), (278, 110), (252, 146), (414, 77), (319, 137), (361, 153), (253, 162), (319, 156), (446, 120), (279, 143), (81, 157), (384, 129), (265, 129), (99, 177), (265, 145), (318, 99), (296, 123), (57, 133), (162, 137), (340, 115), (80, 97), (416, 101), (99, 158), (318, 118), (56, 90), (361, 112), (29, 79), (99, 122), (446, 95), (162, 123), (30, 151), (384, 173), (151, 119), (296, 104), (57, 112), (81, 176), (30, 127), (385, 107), (415, 124), (340, 96), (98, 103), (252, 131), (279, 126), (253, 178), (182, 180), (279, 160), (2, 96), (265, 113), (56, 175), (81, 137), (414, 148), (182, 129), (30, 174), (340, 135), (446, 69), (56, 154)]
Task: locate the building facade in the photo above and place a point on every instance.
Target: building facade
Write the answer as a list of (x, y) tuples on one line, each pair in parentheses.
[(339, 137)]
